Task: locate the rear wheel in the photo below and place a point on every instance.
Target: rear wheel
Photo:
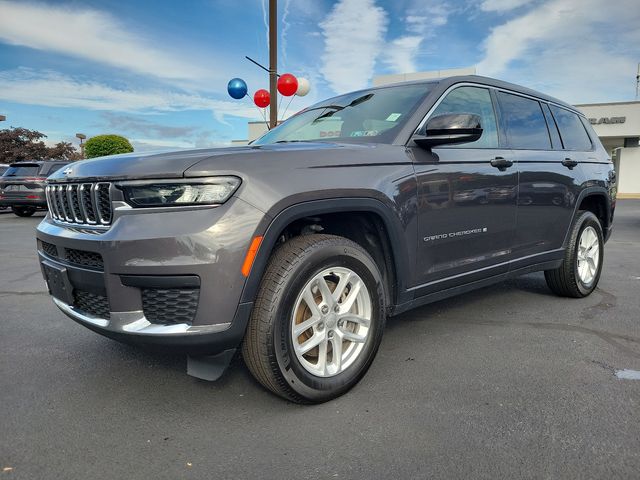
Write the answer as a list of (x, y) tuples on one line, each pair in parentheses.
[(318, 319), (580, 271), (23, 211)]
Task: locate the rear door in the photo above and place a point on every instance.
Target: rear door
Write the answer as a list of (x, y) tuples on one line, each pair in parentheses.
[(547, 187), (466, 205)]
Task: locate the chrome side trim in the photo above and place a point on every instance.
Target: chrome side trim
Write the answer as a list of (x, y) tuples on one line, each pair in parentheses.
[(135, 323)]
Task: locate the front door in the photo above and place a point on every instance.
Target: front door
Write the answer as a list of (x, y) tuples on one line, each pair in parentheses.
[(466, 205)]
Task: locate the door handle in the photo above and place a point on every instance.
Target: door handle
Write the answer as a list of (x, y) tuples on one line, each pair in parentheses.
[(501, 163), (567, 162)]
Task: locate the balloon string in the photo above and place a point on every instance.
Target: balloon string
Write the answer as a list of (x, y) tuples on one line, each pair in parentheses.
[(287, 108), (262, 112), (264, 117)]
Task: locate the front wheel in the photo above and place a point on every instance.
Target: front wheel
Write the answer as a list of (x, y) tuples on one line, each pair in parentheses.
[(318, 319), (580, 271), (23, 211)]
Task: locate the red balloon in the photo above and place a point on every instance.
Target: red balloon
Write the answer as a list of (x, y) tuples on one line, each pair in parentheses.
[(287, 84), (262, 98)]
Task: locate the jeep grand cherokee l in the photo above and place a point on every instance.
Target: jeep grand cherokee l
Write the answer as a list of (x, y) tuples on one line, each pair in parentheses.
[(22, 186), (298, 247)]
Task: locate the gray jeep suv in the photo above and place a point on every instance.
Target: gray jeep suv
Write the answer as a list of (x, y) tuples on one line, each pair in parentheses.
[(22, 185), (298, 247)]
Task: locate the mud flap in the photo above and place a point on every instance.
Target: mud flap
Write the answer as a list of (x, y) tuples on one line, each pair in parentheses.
[(209, 367)]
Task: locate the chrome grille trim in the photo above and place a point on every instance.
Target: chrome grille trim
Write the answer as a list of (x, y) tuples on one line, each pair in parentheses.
[(64, 201), (87, 204), (89, 209)]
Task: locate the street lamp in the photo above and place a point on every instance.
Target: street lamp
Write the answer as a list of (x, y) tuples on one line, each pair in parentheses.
[(81, 136)]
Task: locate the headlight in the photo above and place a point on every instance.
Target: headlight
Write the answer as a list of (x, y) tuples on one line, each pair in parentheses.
[(166, 193)]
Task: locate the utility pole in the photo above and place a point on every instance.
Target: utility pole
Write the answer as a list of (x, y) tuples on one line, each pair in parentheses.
[(273, 62)]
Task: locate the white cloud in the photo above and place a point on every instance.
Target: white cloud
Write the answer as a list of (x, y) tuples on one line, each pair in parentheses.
[(92, 35), (421, 23), (353, 35), (401, 53), (502, 5), (54, 89), (568, 49)]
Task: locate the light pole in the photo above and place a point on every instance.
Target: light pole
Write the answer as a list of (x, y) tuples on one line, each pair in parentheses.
[(273, 62), (81, 136)]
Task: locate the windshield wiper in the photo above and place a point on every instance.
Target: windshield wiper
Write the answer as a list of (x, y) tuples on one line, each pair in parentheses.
[(334, 107)]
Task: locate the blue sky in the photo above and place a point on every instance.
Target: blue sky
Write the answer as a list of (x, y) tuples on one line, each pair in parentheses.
[(156, 71)]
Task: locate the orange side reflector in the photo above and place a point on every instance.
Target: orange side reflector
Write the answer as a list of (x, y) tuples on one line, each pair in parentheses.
[(251, 255)]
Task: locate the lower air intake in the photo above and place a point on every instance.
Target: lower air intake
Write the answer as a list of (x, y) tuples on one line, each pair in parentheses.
[(170, 306)]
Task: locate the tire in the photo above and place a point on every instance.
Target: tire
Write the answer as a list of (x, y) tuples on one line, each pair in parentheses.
[(272, 350), (568, 280), (23, 211)]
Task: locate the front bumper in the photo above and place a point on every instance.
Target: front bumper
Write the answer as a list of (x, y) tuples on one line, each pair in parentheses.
[(164, 277)]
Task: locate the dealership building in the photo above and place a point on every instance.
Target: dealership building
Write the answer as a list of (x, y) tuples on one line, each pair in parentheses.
[(618, 126)]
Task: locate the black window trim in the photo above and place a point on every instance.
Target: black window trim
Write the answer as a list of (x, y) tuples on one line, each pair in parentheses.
[(548, 116)]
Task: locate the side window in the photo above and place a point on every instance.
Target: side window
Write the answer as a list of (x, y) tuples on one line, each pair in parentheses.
[(472, 100), (553, 128), (525, 123), (574, 136)]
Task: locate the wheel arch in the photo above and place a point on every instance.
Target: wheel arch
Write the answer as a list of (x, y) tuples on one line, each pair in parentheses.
[(390, 224), (598, 201)]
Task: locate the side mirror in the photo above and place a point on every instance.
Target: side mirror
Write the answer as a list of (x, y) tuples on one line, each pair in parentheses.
[(450, 128)]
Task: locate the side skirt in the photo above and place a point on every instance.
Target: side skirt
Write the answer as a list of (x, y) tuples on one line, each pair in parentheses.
[(467, 287)]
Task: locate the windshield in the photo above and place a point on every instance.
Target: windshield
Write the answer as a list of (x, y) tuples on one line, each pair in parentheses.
[(369, 116), (22, 171)]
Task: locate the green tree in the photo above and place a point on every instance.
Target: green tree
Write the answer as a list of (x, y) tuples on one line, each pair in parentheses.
[(103, 145)]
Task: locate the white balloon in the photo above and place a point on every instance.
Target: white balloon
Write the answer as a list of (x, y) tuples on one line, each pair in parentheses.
[(303, 87)]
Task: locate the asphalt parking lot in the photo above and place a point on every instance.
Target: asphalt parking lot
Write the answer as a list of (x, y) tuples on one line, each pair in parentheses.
[(506, 382)]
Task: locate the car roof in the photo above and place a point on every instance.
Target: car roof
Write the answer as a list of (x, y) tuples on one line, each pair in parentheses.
[(36, 162), (488, 81)]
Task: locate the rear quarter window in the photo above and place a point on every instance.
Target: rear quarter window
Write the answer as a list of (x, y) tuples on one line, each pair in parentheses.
[(574, 136), (525, 125)]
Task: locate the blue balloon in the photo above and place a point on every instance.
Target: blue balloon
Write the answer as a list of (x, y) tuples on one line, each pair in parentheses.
[(237, 88)]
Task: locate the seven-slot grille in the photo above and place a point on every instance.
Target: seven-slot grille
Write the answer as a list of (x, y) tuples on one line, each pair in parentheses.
[(80, 203)]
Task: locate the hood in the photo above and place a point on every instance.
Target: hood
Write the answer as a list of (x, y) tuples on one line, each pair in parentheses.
[(146, 165), (197, 162)]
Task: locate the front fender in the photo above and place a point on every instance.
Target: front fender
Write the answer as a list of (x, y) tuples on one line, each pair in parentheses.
[(391, 221)]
